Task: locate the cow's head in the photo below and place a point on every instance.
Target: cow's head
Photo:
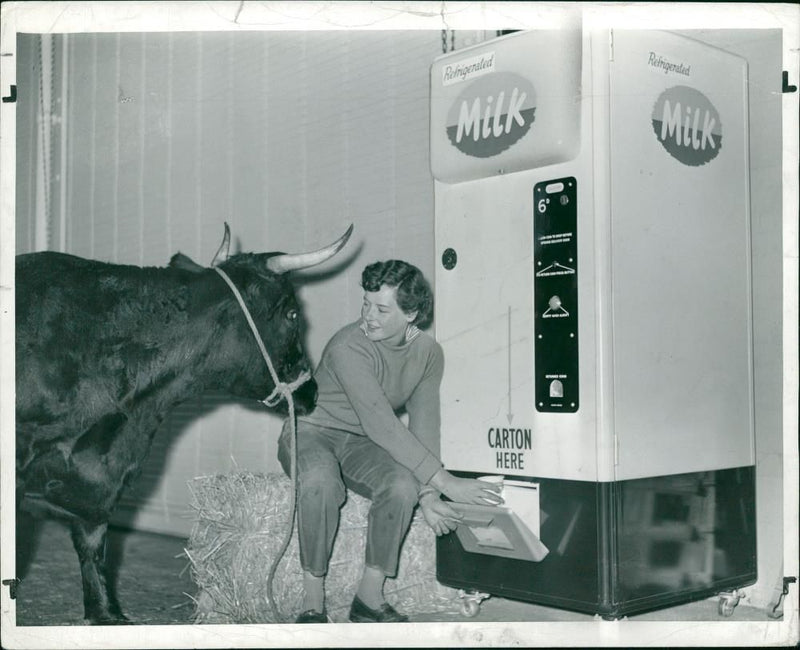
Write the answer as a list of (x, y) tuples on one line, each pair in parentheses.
[(262, 279)]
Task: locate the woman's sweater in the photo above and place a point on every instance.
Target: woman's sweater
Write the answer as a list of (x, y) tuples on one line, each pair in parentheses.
[(363, 384)]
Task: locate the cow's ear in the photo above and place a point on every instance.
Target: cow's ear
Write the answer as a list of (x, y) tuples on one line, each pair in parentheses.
[(180, 261)]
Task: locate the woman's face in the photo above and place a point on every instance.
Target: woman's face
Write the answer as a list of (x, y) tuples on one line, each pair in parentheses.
[(383, 317)]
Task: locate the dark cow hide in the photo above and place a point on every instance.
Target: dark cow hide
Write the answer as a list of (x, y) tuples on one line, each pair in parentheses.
[(104, 351)]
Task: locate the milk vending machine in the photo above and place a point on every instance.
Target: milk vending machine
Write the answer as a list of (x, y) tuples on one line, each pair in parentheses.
[(593, 298)]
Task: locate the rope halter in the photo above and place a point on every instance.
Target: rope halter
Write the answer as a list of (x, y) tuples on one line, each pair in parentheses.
[(282, 390)]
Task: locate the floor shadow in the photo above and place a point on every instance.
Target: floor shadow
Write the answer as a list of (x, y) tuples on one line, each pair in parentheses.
[(146, 570)]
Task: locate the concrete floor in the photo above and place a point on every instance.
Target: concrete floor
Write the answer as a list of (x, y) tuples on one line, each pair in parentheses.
[(155, 588)]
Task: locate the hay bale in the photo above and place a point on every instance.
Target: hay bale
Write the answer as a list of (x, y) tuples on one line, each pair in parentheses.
[(241, 523)]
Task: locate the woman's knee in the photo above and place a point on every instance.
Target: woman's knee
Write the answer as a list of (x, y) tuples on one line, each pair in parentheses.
[(321, 486), (318, 471), (398, 487)]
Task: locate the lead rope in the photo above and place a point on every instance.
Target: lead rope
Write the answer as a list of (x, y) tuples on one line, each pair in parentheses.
[(281, 390)]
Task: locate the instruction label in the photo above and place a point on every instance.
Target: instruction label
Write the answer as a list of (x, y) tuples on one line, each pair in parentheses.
[(509, 445), (555, 295)]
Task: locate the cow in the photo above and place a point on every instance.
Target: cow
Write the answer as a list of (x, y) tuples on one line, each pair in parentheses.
[(104, 351)]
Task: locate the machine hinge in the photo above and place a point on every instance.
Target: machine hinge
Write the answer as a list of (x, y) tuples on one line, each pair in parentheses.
[(12, 584)]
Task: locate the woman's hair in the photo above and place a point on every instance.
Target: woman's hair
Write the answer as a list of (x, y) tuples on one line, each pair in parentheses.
[(413, 291)]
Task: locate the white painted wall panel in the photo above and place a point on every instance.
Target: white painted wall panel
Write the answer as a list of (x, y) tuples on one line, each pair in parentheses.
[(288, 136), (27, 103)]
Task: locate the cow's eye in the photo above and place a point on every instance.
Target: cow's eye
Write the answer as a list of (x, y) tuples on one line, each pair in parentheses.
[(292, 314)]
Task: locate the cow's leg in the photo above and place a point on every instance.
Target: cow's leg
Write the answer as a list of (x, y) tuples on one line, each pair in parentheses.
[(99, 602), (84, 484), (28, 530)]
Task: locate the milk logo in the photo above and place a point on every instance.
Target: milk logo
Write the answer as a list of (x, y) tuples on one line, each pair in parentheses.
[(687, 125), (491, 114)]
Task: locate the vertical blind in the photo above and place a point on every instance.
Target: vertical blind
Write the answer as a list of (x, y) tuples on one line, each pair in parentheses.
[(287, 136)]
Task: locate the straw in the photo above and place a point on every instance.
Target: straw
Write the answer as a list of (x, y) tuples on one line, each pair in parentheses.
[(240, 522)]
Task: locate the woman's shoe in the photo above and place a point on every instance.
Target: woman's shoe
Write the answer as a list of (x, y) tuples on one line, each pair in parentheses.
[(312, 616), (360, 613)]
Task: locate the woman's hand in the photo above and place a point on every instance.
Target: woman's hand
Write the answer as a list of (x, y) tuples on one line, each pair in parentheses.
[(440, 515), (467, 490)]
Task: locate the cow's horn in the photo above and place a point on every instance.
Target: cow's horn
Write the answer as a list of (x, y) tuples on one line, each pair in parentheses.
[(224, 248), (285, 263)]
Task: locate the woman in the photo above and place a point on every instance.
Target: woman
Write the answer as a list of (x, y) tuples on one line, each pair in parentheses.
[(370, 370)]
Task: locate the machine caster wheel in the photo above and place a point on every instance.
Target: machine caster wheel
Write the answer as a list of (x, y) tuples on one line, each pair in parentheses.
[(470, 608), (727, 602), (471, 602)]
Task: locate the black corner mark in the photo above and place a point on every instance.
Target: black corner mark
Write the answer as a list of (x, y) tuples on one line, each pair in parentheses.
[(787, 580), (12, 97), (11, 583), (786, 87)]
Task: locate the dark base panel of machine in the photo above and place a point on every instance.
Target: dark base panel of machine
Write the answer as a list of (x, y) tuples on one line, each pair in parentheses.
[(566, 578), (624, 547)]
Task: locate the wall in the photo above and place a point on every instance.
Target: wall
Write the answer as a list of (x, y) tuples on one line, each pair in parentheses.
[(287, 136)]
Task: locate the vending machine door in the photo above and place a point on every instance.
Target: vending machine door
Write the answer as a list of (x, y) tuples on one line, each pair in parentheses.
[(680, 266)]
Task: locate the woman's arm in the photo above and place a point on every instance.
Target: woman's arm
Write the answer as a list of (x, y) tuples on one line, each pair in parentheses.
[(438, 514), (354, 370), (423, 407), (466, 490)]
